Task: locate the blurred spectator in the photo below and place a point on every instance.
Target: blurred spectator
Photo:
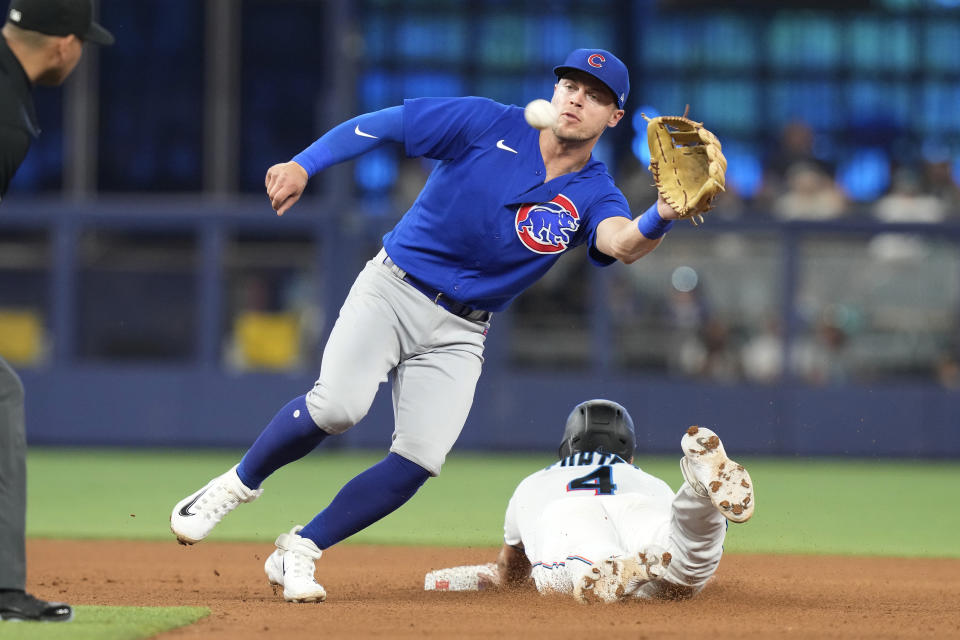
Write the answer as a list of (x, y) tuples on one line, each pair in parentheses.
[(625, 300), (687, 309), (948, 372), (795, 148), (821, 359), (811, 194), (762, 355), (905, 202), (702, 346), (686, 314), (938, 181), (710, 355), (276, 320)]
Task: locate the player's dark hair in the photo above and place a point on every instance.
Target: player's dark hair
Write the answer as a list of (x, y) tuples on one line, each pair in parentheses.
[(599, 425)]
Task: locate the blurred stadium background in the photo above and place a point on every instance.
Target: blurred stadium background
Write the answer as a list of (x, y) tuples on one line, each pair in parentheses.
[(149, 296)]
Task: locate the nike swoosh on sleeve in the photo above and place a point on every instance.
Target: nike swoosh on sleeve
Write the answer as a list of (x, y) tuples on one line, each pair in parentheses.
[(361, 133), (500, 145)]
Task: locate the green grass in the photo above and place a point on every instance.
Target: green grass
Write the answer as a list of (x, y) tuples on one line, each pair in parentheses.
[(129, 494), (106, 623), (894, 508)]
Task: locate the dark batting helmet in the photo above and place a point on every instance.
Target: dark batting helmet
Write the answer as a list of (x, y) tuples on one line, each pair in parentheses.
[(599, 425)]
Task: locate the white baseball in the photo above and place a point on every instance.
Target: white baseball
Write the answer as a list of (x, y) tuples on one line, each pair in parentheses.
[(540, 114)]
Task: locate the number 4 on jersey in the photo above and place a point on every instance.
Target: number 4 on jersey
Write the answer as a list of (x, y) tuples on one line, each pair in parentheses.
[(600, 482)]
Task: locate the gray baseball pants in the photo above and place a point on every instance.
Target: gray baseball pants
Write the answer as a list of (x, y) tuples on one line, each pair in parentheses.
[(387, 328), (13, 480)]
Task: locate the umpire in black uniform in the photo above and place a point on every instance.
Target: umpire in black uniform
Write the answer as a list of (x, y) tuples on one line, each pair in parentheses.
[(41, 44)]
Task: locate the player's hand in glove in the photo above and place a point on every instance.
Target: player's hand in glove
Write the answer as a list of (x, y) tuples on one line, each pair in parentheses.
[(285, 184), (688, 167)]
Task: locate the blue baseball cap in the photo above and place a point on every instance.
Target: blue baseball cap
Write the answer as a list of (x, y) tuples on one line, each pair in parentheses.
[(602, 65)]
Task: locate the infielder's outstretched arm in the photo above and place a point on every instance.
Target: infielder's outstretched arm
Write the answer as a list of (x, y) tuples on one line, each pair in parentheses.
[(286, 181), (629, 240)]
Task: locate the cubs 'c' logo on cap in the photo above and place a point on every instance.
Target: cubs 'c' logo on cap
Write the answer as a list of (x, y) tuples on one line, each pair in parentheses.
[(548, 227), (596, 60)]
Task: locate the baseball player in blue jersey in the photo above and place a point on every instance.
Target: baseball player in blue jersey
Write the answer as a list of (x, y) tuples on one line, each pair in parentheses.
[(504, 202)]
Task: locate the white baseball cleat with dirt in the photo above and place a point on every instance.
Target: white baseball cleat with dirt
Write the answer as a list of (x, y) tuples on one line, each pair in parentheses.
[(291, 567), (194, 517), (620, 576), (710, 473)]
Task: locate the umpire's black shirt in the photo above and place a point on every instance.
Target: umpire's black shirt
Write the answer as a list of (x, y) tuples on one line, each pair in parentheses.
[(18, 119)]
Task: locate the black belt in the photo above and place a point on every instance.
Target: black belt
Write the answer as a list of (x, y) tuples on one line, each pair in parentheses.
[(439, 297)]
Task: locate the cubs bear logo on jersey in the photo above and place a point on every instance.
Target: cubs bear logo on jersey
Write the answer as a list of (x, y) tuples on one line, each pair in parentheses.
[(548, 227)]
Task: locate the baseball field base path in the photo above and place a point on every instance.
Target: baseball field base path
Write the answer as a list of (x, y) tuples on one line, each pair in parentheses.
[(377, 592)]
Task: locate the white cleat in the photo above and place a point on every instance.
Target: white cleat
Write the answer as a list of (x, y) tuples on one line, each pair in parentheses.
[(620, 576), (710, 473), (194, 517), (291, 567)]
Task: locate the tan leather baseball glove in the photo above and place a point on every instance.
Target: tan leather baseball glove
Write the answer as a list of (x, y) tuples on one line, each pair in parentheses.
[(687, 164)]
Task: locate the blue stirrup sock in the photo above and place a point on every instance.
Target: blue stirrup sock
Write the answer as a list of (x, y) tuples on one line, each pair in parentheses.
[(375, 493), (291, 435)]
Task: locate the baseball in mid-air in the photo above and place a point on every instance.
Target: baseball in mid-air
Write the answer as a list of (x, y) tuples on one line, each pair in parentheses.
[(540, 114)]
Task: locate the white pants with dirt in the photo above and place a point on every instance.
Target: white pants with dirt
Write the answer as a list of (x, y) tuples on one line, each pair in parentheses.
[(576, 513)]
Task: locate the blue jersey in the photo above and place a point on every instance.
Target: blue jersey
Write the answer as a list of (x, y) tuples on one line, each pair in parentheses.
[(486, 226)]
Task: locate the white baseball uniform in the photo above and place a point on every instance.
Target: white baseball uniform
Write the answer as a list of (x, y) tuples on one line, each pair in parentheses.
[(591, 506)]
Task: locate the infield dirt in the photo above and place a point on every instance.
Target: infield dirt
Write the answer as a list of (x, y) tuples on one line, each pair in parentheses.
[(377, 592)]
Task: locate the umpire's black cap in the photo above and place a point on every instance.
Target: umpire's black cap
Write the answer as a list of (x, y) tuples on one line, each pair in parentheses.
[(59, 18)]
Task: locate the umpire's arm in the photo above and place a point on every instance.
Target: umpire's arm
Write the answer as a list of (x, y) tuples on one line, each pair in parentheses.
[(620, 237), (13, 148)]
